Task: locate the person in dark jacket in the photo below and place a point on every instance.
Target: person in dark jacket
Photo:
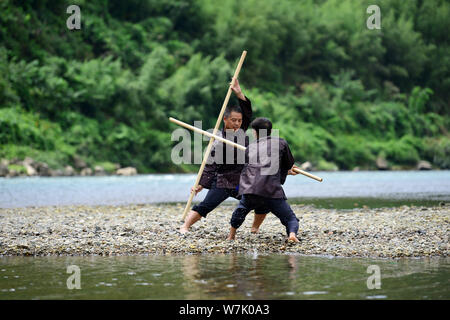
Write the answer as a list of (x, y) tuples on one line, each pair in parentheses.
[(223, 168), (268, 162)]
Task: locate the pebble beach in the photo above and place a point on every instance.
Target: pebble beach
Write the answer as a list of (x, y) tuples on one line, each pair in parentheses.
[(152, 229)]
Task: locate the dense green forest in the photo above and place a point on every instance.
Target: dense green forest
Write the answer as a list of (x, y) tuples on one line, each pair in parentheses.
[(341, 94)]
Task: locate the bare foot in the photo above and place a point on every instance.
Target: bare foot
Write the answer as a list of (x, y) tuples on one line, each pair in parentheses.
[(254, 230), (292, 237), (183, 230), (192, 218), (231, 234)]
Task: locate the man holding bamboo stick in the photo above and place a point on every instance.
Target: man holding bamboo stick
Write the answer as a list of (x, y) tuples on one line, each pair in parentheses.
[(268, 162), (220, 175)]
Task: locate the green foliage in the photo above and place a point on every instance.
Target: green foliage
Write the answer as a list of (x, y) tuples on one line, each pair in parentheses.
[(109, 167), (326, 166), (438, 151), (25, 134), (18, 168), (401, 152), (339, 93), (418, 99), (26, 129), (352, 151)]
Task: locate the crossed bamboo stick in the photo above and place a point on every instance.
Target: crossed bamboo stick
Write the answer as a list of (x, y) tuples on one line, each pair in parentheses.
[(214, 136)]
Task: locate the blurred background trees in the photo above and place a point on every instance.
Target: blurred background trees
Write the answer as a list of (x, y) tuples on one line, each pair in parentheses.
[(342, 95)]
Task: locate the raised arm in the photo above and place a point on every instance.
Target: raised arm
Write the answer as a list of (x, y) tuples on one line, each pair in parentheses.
[(237, 90), (245, 104)]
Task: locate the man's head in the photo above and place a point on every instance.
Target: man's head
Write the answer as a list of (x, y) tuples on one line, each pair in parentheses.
[(232, 118), (262, 127)]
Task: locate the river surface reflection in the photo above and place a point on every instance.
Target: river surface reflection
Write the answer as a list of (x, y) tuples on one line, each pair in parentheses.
[(233, 276)]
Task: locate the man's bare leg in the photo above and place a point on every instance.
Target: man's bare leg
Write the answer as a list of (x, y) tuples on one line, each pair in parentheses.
[(258, 220), (192, 218), (232, 234)]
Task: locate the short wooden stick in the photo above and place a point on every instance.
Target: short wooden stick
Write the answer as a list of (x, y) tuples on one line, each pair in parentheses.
[(309, 175)]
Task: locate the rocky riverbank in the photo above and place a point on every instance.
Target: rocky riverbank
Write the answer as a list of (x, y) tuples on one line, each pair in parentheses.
[(152, 229), (30, 167)]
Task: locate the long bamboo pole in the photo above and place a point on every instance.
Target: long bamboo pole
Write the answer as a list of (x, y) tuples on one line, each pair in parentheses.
[(241, 147), (206, 133), (216, 128)]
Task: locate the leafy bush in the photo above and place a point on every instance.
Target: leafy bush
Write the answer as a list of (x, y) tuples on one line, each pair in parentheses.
[(401, 152), (18, 168), (339, 93), (438, 151), (352, 151)]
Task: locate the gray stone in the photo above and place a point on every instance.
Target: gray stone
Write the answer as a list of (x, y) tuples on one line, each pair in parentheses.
[(86, 172), (382, 164), (99, 171), (29, 161), (79, 163), (423, 165), (30, 170), (306, 166), (43, 169), (69, 171), (3, 170), (12, 173), (128, 171), (56, 173)]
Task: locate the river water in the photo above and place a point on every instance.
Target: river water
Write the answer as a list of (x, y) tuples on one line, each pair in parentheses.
[(233, 276), (118, 190)]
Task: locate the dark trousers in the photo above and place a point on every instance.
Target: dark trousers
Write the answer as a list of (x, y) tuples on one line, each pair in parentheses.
[(278, 207), (216, 196)]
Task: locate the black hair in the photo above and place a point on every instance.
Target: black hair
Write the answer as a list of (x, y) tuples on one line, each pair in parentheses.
[(262, 123), (231, 109)]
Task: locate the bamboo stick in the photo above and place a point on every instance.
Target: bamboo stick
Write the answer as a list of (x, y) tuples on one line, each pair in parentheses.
[(241, 147), (308, 174), (206, 133), (219, 120)]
